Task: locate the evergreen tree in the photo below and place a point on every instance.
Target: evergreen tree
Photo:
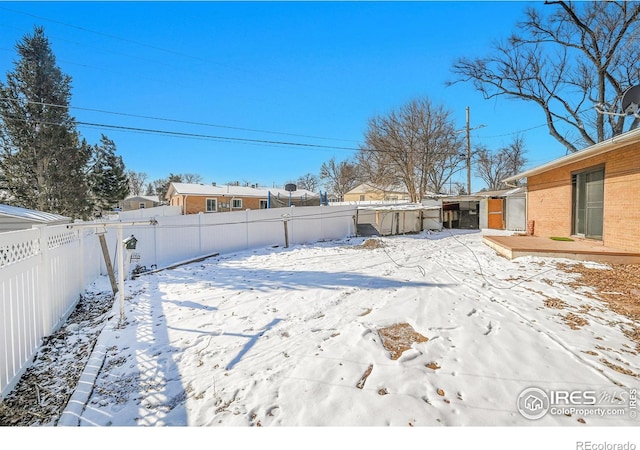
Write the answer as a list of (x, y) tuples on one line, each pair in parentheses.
[(42, 158), (107, 177)]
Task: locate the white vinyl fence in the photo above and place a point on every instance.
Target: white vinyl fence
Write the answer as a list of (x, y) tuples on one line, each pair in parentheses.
[(43, 271), (173, 239)]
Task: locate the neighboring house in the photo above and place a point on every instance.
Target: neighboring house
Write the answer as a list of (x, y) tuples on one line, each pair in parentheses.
[(134, 202), (13, 218), (366, 192), (592, 194), (201, 198)]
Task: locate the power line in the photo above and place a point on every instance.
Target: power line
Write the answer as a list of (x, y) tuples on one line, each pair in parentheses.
[(180, 134), (186, 122), (211, 137), (100, 33)]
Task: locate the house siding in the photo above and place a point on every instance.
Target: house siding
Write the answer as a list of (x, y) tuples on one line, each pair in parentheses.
[(198, 203), (374, 195), (549, 201)]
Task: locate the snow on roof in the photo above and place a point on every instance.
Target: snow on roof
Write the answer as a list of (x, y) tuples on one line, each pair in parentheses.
[(30, 214), (239, 191), (397, 207), (149, 198), (366, 187)]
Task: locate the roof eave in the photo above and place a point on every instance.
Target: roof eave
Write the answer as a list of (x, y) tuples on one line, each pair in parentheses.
[(596, 149)]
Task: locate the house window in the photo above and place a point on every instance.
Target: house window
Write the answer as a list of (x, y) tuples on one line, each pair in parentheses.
[(236, 203), (212, 205), (263, 204), (141, 205), (361, 197), (588, 203)]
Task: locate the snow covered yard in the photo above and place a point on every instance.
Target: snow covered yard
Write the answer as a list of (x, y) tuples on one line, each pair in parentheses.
[(290, 337)]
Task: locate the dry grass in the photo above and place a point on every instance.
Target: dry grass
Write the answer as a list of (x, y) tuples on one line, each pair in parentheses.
[(618, 286), (555, 303), (575, 322)]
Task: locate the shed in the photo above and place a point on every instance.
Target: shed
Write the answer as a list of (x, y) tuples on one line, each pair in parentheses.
[(500, 210), (386, 219), (504, 210), (14, 218)]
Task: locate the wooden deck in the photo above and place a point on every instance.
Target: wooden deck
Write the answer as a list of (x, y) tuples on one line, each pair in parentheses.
[(582, 250)]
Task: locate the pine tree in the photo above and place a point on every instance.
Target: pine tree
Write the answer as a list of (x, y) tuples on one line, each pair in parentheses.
[(107, 177), (42, 158)]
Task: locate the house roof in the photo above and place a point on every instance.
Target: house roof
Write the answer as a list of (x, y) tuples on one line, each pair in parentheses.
[(17, 212), (502, 193), (148, 198), (367, 187), (237, 191), (595, 150)]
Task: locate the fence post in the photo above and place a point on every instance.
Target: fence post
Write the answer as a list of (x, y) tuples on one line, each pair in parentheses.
[(246, 219), (120, 248), (46, 321), (200, 233), (81, 284)]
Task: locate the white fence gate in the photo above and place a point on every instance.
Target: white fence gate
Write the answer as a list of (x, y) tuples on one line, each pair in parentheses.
[(43, 271)]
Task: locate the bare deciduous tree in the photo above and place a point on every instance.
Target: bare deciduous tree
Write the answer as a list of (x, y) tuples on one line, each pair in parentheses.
[(340, 177), (580, 55), (494, 167), (137, 182), (416, 147), (191, 178), (308, 181)]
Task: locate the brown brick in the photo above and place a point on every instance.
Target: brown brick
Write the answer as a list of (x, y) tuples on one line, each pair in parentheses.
[(549, 201)]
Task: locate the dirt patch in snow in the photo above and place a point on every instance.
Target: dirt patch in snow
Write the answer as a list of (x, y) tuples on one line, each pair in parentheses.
[(370, 244), (399, 338)]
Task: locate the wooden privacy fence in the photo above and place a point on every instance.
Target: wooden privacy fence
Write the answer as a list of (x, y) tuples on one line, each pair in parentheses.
[(44, 270)]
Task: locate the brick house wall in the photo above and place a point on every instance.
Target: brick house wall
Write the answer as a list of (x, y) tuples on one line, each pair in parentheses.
[(549, 198), (198, 203)]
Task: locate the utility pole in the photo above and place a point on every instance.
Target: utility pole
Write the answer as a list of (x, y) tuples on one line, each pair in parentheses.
[(469, 152), (468, 155)]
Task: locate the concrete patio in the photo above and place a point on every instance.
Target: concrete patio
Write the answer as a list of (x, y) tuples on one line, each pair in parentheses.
[(583, 250)]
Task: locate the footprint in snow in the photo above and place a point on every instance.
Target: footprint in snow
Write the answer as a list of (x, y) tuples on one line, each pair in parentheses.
[(492, 327)]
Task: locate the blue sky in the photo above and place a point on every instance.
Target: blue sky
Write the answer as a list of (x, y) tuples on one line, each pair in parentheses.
[(245, 75)]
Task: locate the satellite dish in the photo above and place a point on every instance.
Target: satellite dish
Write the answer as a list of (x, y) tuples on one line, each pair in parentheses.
[(631, 101)]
